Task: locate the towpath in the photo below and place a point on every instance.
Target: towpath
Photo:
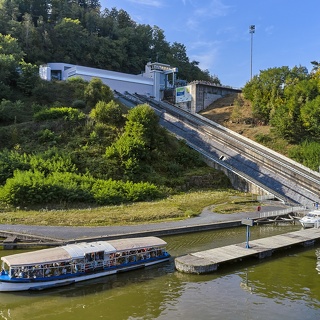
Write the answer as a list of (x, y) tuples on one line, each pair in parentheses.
[(205, 221)]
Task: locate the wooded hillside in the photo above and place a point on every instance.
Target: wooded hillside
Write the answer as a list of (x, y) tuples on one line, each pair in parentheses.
[(78, 32)]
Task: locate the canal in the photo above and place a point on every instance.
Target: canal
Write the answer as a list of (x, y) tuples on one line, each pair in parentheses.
[(286, 286)]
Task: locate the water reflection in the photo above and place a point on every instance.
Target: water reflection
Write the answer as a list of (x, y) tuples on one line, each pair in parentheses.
[(290, 277), (318, 260), (99, 297)]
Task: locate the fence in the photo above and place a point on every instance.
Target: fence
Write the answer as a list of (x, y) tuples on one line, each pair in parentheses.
[(281, 212)]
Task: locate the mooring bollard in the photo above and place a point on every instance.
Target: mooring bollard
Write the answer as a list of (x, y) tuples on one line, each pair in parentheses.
[(249, 223)]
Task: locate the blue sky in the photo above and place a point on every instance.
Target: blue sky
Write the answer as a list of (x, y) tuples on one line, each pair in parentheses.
[(216, 32)]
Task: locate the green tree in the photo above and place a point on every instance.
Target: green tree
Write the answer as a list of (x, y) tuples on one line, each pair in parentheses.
[(97, 91), (265, 91), (110, 113), (310, 117), (133, 149), (10, 57), (307, 153), (28, 77), (70, 41), (142, 121)]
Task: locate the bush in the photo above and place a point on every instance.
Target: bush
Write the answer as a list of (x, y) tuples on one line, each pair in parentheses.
[(52, 161), (307, 153), (11, 161), (107, 113), (68, 114), (78, 104), (107, 192), (35, 187), (117, 192), (142, 191)]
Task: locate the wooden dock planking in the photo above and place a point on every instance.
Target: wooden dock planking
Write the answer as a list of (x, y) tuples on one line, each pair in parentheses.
[(209, 260)]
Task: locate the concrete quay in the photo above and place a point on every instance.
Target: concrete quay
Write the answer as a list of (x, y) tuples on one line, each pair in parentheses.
[(209, 260)]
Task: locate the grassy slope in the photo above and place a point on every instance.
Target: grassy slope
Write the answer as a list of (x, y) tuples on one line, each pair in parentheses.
[(87, 151), (176, 207)]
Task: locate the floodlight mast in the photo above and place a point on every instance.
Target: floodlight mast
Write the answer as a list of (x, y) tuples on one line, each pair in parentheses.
[(252, 30)]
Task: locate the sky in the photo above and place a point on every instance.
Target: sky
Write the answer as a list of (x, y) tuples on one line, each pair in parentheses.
[(216, 32)]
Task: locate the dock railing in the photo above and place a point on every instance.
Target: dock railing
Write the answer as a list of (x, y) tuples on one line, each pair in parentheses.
[(281, 212)]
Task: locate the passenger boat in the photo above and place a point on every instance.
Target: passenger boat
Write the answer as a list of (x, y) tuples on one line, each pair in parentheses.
[(311, 219), (60, 266)]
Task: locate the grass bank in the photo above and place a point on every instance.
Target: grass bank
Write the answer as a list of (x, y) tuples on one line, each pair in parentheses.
[(177, 207)]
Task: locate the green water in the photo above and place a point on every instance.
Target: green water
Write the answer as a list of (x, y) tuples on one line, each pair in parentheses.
[(283, 287)]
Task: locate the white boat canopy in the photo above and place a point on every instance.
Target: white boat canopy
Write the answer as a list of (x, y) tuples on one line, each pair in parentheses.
[(136, 243), (43, 256), (79, 250)]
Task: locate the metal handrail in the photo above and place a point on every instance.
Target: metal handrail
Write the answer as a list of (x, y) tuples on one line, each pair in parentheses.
[(281, 212)]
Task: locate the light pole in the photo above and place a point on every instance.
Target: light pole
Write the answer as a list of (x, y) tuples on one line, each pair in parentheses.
[(252, 29)]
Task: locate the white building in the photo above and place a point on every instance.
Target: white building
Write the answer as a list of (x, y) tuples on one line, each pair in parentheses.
[(151, 82)]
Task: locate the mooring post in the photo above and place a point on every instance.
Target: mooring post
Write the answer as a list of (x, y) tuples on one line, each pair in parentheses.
[(249, 223), (248, 237)]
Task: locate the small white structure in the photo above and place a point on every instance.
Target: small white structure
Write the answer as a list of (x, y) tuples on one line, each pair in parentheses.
[(151, 82)]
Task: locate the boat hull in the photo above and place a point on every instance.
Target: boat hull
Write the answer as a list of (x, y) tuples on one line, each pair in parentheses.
[(16, 285), (306, 224)]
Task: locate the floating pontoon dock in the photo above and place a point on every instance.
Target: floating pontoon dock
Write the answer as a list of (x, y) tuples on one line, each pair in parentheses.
[(209, 260)]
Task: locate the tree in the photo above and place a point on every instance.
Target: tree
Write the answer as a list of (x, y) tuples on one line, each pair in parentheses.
[(70, 41), (133, 149), (265, 91), (310, 117), (97, 91), (110, 113), (10, 56), (143, 121), (28, 77), (159, 47)]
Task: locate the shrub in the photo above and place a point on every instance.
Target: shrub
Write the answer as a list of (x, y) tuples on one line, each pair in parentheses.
[(107, 113), (35, 187), (46, 135), (97, 91), (78, 104), (11, 161), (307, 153), (107, 192), (52, 161), (117, 192), (142, 191), (68, 114)]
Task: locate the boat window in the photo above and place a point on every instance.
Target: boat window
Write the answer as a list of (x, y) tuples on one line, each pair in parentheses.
[(40, 271)]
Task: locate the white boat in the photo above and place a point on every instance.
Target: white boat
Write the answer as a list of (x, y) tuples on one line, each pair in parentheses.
[(310, 219), (60, 266)]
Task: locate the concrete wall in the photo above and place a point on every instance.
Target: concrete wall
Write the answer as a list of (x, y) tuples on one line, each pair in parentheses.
[(204, 93), (237, 181)]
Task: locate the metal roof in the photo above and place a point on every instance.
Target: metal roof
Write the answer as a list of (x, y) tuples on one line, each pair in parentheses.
[(78, 250), (136, 243)]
